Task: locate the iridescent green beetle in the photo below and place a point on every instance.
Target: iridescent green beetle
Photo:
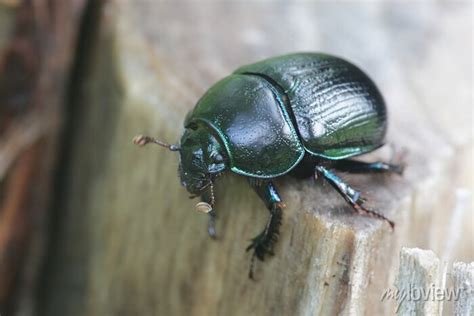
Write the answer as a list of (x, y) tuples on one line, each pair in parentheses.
[(300, 114)]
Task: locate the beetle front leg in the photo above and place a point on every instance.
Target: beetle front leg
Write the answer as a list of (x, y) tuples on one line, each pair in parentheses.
[(352, 196), (263, 243), (354, 166), (208, 197), (211, 224)]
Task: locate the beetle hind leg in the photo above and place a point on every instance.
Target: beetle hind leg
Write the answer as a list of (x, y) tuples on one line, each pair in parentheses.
[(354, 166), (352, 196), (264, 242)]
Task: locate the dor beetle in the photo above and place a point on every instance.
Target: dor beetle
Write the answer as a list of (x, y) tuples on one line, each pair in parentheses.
[(303, 114)]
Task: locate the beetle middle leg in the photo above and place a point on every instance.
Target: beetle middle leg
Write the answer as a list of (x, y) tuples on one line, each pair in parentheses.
[(263, 243), (352, 196), (354, 166)]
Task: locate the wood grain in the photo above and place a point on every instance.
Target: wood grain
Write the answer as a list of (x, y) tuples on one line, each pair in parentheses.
[(419, 271)]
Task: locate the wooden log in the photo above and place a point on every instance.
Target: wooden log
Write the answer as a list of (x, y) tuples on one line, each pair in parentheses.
[(420, 270), (427, 285), (128, 240), (463, 280)]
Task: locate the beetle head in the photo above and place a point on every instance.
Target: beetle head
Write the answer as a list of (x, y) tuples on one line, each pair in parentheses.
[(201, 159)]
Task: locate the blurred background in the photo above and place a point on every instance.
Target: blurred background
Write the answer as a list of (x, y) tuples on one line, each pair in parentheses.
[(91, 225)]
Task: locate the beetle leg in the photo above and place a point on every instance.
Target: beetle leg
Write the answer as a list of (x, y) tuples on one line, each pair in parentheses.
[(352, 196), (211, 224), (263, 243), (354, 166), (209, 198)]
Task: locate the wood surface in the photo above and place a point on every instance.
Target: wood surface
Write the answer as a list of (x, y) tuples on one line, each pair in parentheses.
[(127, 240), (426, 285), (463, 279), (419, 269)]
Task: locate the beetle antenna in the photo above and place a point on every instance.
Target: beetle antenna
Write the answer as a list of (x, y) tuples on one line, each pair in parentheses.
[(142, 140)]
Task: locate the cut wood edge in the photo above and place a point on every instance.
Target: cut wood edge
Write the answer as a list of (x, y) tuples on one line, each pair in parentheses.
[(428, 286), (463, 281)]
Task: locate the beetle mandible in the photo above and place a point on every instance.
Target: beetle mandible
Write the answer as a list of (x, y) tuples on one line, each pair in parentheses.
[(303, 114)]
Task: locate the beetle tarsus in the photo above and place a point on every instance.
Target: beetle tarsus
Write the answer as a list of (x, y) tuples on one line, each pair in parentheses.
[(263, 243), (252, 262), (354, 166), (352, 196), (208, 197), (362, 210), (211, 225), (398, 156)]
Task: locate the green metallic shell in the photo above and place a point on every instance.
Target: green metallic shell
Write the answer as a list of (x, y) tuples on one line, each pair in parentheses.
[(249, 117), (337, 109)]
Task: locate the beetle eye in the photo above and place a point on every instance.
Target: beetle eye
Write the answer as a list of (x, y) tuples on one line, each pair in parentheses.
[(192, 126)]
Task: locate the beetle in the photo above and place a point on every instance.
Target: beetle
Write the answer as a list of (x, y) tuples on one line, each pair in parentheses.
[(304, 114)]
